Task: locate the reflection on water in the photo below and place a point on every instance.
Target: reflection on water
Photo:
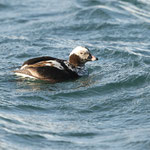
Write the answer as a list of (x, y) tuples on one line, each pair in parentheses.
[(27, 85)]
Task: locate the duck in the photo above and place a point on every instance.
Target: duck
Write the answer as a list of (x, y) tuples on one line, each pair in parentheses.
[(56, 70)]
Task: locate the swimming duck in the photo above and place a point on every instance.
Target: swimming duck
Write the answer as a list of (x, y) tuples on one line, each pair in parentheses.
[(57, 70)]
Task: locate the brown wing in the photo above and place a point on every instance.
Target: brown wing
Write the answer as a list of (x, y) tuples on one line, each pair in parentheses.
[(49, 73), (39, 59)]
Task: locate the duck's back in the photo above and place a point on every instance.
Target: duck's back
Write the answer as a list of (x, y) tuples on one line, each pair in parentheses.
[(47, 68)]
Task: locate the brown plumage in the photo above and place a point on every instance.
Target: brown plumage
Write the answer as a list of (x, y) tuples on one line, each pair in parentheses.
[(57, 70)]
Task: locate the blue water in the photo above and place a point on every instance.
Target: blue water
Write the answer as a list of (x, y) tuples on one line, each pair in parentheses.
[(109, 109)]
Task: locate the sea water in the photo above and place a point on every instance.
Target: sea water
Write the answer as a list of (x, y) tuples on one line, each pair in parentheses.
[(107, 110)]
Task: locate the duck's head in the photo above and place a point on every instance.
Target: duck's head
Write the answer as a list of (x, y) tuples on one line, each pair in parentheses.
[(80, 55)]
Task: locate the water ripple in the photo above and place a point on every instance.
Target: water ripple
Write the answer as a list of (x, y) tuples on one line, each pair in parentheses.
[(107, 109)]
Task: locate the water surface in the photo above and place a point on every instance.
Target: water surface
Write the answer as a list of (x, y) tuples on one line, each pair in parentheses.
[(109, 109)]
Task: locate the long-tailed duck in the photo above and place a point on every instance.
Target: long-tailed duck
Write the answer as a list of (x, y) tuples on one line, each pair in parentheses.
[(57, 70)]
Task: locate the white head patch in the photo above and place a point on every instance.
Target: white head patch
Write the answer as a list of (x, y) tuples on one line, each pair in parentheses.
[(80, 51)]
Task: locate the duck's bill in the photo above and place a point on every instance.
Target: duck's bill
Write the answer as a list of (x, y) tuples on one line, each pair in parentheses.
[(94, 58)]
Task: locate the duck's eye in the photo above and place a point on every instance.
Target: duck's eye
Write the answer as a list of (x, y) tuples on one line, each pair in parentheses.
[(81, 53)]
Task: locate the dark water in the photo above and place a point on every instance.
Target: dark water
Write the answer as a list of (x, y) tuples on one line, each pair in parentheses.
[(109, 109)]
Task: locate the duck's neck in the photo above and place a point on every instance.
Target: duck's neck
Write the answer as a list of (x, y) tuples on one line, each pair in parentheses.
[(75, 61)]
